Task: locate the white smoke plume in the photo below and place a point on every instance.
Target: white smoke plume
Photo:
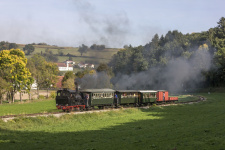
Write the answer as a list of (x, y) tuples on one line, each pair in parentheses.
[(95, 81), (178, 76)]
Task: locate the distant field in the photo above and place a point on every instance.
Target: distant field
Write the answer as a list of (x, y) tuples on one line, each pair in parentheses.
[(198, 126), (94, 56)]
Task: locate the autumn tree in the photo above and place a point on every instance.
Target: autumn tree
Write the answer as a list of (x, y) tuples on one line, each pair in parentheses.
[(4, 87), (14, 71), (49, 76), (68, 80), (69, 83), (45, 73), (36, 65)]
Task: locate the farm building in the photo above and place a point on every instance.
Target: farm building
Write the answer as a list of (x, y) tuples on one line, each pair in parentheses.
[(65, 66)]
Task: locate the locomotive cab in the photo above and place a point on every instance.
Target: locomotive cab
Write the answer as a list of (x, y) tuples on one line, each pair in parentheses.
[(62, 97)]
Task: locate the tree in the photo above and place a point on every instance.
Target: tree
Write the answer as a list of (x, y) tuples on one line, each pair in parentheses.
[(104, 68), (60, 52), (45, 73), (97, 47), (13, 45), (29, 48), (66, 81), (81, 74), (70, 58), (36, 65), (83, 49), (49, 76), (69, 83), (14, 71), (138, 62), (50, 57), (219, 44), (4, 45), (4, 87)]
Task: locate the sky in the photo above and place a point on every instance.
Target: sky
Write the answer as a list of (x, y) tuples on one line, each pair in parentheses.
[(114, 23)]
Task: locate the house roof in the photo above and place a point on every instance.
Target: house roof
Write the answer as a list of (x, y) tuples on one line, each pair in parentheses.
[(69, 61), (63, 65)]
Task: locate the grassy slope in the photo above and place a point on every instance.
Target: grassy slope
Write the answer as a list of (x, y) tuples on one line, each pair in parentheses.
[(92, 55), (195, 126)]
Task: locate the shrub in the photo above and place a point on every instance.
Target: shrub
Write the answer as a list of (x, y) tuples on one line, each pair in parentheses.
[(52, 94), (41, 97)]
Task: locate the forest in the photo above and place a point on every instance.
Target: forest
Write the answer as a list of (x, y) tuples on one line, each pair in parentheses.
[(175, 61)]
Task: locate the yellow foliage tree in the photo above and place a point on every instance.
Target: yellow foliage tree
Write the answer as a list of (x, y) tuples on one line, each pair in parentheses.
[(13, 69), (203, 47)]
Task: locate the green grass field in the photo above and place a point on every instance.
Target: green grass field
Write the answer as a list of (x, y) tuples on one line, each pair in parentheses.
[(195, 126), (36, 106), (95, 56)]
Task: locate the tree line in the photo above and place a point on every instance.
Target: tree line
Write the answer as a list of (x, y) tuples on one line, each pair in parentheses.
[(161, 50), (84, 48)]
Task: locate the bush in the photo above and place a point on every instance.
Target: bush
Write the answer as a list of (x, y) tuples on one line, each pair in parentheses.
[(53, 94), (41, 97)]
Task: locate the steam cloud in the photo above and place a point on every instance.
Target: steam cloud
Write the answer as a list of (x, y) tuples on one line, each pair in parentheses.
[(107, 29), (95, 81), (179, 75), (176, 76)]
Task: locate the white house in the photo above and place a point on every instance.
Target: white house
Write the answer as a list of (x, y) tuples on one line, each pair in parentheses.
[(34, 85), (91, 66), (65, 66), (84, 65)]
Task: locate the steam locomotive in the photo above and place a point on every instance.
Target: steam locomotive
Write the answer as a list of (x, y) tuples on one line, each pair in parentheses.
[(69, 100)]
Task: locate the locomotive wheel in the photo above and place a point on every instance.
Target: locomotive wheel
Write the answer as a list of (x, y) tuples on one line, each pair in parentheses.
[(71, 109), (100, 107), (81, 109)]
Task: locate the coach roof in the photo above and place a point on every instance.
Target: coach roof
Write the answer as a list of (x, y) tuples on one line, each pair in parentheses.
[(97, 90)]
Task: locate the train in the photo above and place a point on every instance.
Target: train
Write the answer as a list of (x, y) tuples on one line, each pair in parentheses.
[(87, 99)]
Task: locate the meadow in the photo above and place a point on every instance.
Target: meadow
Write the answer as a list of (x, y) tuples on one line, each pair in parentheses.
[(28, 107), (187, 126), (48, 106), (94, 56)]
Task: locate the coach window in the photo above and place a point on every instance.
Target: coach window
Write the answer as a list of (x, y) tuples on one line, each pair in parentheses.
[(152, 94)]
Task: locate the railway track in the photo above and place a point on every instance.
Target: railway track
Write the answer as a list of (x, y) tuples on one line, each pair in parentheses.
[(6, 118)]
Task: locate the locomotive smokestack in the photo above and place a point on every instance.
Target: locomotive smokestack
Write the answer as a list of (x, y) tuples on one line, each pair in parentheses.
[(76, 86)]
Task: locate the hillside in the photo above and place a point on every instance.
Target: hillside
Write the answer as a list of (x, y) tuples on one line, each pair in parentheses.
[(92, 56)]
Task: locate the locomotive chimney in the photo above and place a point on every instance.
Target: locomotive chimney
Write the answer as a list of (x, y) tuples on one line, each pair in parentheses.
[(76, 86)]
